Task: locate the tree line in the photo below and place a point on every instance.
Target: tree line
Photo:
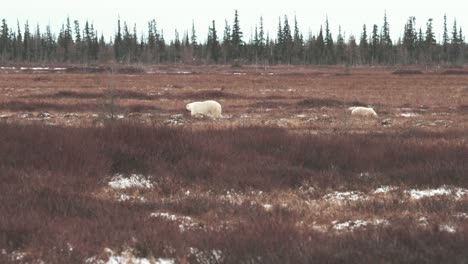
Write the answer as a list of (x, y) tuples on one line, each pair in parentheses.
[(82, 44)]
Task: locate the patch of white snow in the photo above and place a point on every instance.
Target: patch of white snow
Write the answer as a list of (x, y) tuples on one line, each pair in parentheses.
[(133, 181), (345, 196), (185, 222)]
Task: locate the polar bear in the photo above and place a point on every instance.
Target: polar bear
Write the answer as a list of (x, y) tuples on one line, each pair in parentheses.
[(208, 108), (363, 111)]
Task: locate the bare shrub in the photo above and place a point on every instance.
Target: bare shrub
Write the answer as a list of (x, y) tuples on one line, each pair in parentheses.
[(52, 176), (407, 72), (454, 72), (210, 94), (319, 102)]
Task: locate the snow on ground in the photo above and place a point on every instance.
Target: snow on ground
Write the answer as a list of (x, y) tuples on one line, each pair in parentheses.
[(447, 228), (212, 256), (423, 221), (125, 197), (185, 222), (409, 114), (237, 198), (345, 196), (461, 215), (268, 207), (133, 181), (42, 69), (357, 224), (127, 257), (14, 255), (459, 193), (384, 189)]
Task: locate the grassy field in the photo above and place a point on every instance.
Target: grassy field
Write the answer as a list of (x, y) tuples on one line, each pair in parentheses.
[(103, 165)]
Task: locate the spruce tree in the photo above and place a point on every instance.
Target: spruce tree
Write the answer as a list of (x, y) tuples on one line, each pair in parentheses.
[(320, 48), (287, 42), (118, 43), (340, 47), (386, 42), (177, 47), (226, 45), (193, 36), (19, 43), (78, 45), (67, 40), (261, 40), (256, 44), (26, 43), (213, 43), (430, 36), (161, 43), (454, 44), (50, 44), (445, 40), (410, 39), (364, 46), (430, 41), (351, 54), (236, 39), (374, 45), (329, 46), (4, 41), (279, 47), (298, 51)]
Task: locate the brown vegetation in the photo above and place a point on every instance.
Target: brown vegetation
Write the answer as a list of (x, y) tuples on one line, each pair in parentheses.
[(51, 174), (253, 182)]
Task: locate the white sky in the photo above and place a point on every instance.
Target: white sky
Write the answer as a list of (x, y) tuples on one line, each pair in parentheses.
[(171, 15)]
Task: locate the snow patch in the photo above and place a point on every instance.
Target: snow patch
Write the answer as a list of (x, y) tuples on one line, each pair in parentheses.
[(134, 181), (124, 197), (385, 189), (416, 194), (268, 207), (461, 215), (409, 114), (346, 196), (357, 224), (42, 69), (211, 256), (447, 228), (185, 222), (423, 221), (127, 257)]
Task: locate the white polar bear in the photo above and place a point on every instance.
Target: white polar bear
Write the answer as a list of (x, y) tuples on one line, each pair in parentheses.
[(208, 108), (363, 111)]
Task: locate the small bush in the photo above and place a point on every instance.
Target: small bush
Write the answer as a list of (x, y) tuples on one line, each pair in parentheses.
[(454, 72), (407, 72)]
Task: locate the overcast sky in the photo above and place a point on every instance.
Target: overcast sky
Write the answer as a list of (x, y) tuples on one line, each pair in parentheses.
[(171, 15)]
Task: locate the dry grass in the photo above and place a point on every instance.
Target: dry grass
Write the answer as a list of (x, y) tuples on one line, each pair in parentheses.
[(250, 187), (58, 176)]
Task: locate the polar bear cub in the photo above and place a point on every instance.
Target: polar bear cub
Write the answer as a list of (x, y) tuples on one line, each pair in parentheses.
[(363, 111), (207, 108)]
